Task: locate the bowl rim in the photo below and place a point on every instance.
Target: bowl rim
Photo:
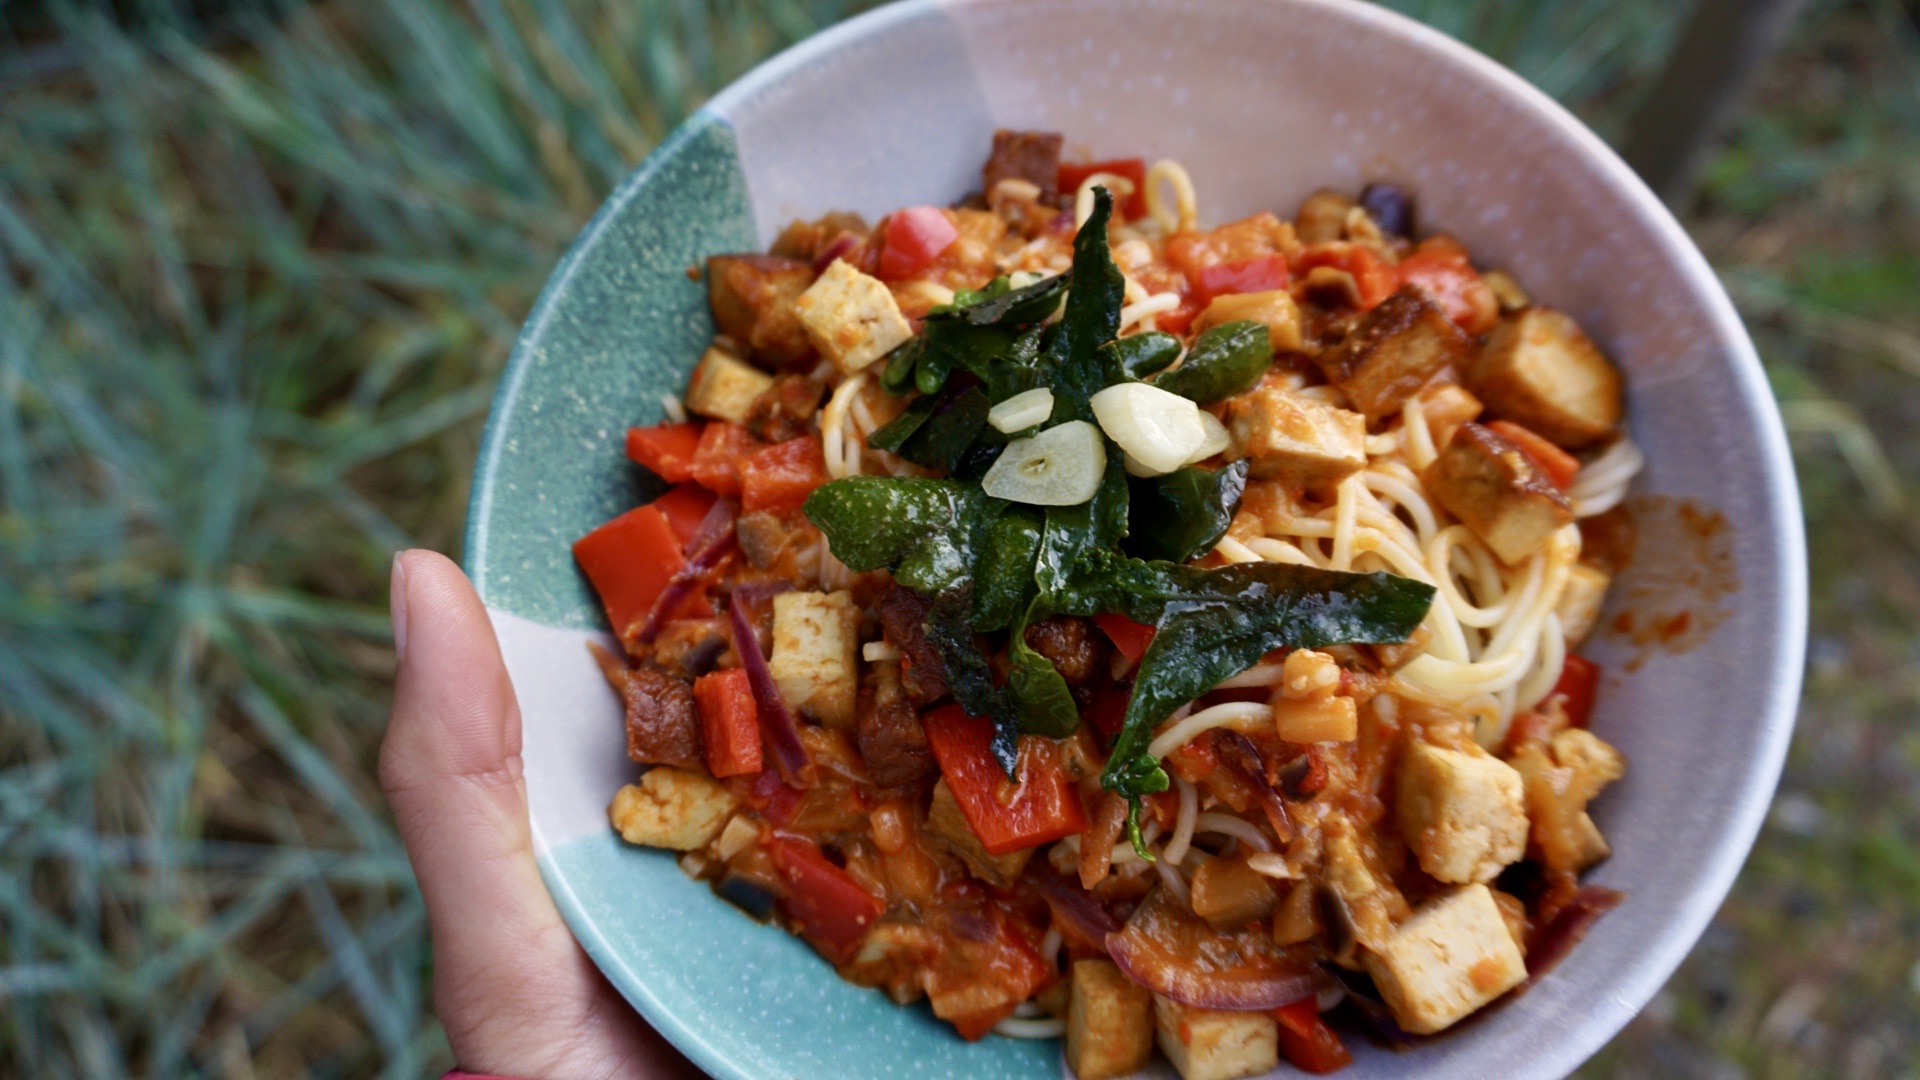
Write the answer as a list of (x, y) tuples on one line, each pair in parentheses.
[(1660, 957)]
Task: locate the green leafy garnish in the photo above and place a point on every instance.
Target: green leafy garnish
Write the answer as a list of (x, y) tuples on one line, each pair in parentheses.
[(1224, 361), (1181, 515), (1140, 355)]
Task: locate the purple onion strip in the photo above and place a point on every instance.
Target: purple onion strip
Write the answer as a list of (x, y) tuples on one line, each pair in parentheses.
[(710, 543), (841, 245), (1245, 758), (1251, 992), (1072, 906), (777, 726)]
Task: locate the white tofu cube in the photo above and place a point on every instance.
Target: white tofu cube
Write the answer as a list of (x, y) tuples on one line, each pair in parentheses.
[(1464, 815), (1539, 369), (724, 387), (1295, 439), (1108, 1030), (1455, 955), (851, 317), (1579, 606), (1207, 1044), (815, 649), (671, 808)]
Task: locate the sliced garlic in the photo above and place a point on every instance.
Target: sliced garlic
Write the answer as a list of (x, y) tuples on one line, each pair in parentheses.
[(1217, 439), (1134, 468), (1161, 431), (1022, 411), (1061, 466)]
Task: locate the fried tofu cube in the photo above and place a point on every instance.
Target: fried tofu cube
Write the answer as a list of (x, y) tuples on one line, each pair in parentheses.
[(1109, 1031), (1454, 956), (1579, 606), (851, 317), (1325, 719), (1539, 370), (815, 655), (1273, 309), (1208, 1044), (1396, 349), (671, 808), (752, 299), (1295, 439), (724, 387), (1594, 762), (1463, 814), (1558, 788), (1497, 491), (947, 821)]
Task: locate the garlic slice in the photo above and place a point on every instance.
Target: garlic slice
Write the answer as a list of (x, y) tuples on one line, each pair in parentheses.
[(1161, 431), (1061, 466), (1217, 439), (1022, 411)]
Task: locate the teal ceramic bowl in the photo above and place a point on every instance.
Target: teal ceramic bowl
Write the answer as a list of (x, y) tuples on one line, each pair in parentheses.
[(1264, 101)]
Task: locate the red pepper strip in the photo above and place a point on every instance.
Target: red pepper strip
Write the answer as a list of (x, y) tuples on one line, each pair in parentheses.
[(915, 237), (776, 722), (710, 543), (1130, 637), (1134, 206), (667, 449), (1238, 753), (781, 476), (1263, 273), (729, 722), (1045, 806), (686, 506), (1579, 683), (832, 909), (1560, 466), (631, 561), (1306, 1041)]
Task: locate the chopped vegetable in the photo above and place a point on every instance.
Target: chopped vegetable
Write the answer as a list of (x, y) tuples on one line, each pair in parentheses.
[(781, 476), (1440, 267), (1159, 430), (1259, 274), (1042, 807), (777, 727), (666, 449), (831, 909), (1140, 355), (1130, 637), (1560, 466), (729, 722), (1029, 408), (716, 460), (630, 561), (686, 506), (1579, 681), (1224, 361), (1134, 170), (1061, 466), (1307, 1042), (1172, 952), (1181, 515), (915, 237)]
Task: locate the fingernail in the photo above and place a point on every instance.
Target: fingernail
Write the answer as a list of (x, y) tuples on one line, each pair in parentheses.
[(397, 604)]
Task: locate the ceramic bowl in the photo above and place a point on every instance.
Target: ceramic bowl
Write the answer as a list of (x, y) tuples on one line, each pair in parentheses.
[(1264, 101)]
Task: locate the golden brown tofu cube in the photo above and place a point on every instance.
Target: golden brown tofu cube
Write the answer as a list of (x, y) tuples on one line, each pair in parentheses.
[(1229, 894), (851, 317), (1464, 815), (815, 655), (1324, 719), (1396, 349), (1455, 955), (724, 387), (1208, 1044), (1295, 439), (1273, 309), (1109, 1029), (1539, 370), (1323, 217), (752, 298), (1496, 490), (946, 821)]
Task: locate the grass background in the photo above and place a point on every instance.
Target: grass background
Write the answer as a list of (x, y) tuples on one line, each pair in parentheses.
[(262, 263)]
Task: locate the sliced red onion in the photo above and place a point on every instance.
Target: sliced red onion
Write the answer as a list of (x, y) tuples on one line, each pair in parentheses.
[(1552, 942), (1170, 951), (1079, 917), (1238, 753), (840, 246), (710, 543), (777, 725), (756, 592)]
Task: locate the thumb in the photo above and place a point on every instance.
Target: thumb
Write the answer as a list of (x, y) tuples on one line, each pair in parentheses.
[(514, 991)]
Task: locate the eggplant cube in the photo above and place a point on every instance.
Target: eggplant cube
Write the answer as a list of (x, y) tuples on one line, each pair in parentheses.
[(1109, 1032), (1539, 370), (815, 650), (752, 299), (1463, 814), (1396, 349), (946, 821), (1497, 491), (671, 808), (1452, 957), (851, 317), (1210, 1044), (1295, 439), (724, 387)]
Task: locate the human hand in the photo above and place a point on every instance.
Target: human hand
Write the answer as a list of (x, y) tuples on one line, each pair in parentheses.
[(516, 994)]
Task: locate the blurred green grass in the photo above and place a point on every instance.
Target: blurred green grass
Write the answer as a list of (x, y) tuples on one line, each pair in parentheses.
[(262, 264)]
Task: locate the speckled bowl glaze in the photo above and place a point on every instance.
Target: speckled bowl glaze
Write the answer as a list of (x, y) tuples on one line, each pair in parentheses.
[(1264, 101)]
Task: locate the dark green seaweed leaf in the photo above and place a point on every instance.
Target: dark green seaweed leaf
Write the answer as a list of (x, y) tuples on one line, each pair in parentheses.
[(1181, 515), (1073, 367)]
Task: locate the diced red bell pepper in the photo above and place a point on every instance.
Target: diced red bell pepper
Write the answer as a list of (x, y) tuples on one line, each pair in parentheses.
[(1307, 1042), (1560, 466), (686, 506), (667, 449), (1371, 275), (1260, 274), (1441, 267), (769, 793), (915, 237), (1130, 637), (1579, 684), (630, 560), (1107, 712), (1132, 207), (716, 461), (1180, 319), (781, 476), (1043, 807), (833, 910), (729, 722)]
